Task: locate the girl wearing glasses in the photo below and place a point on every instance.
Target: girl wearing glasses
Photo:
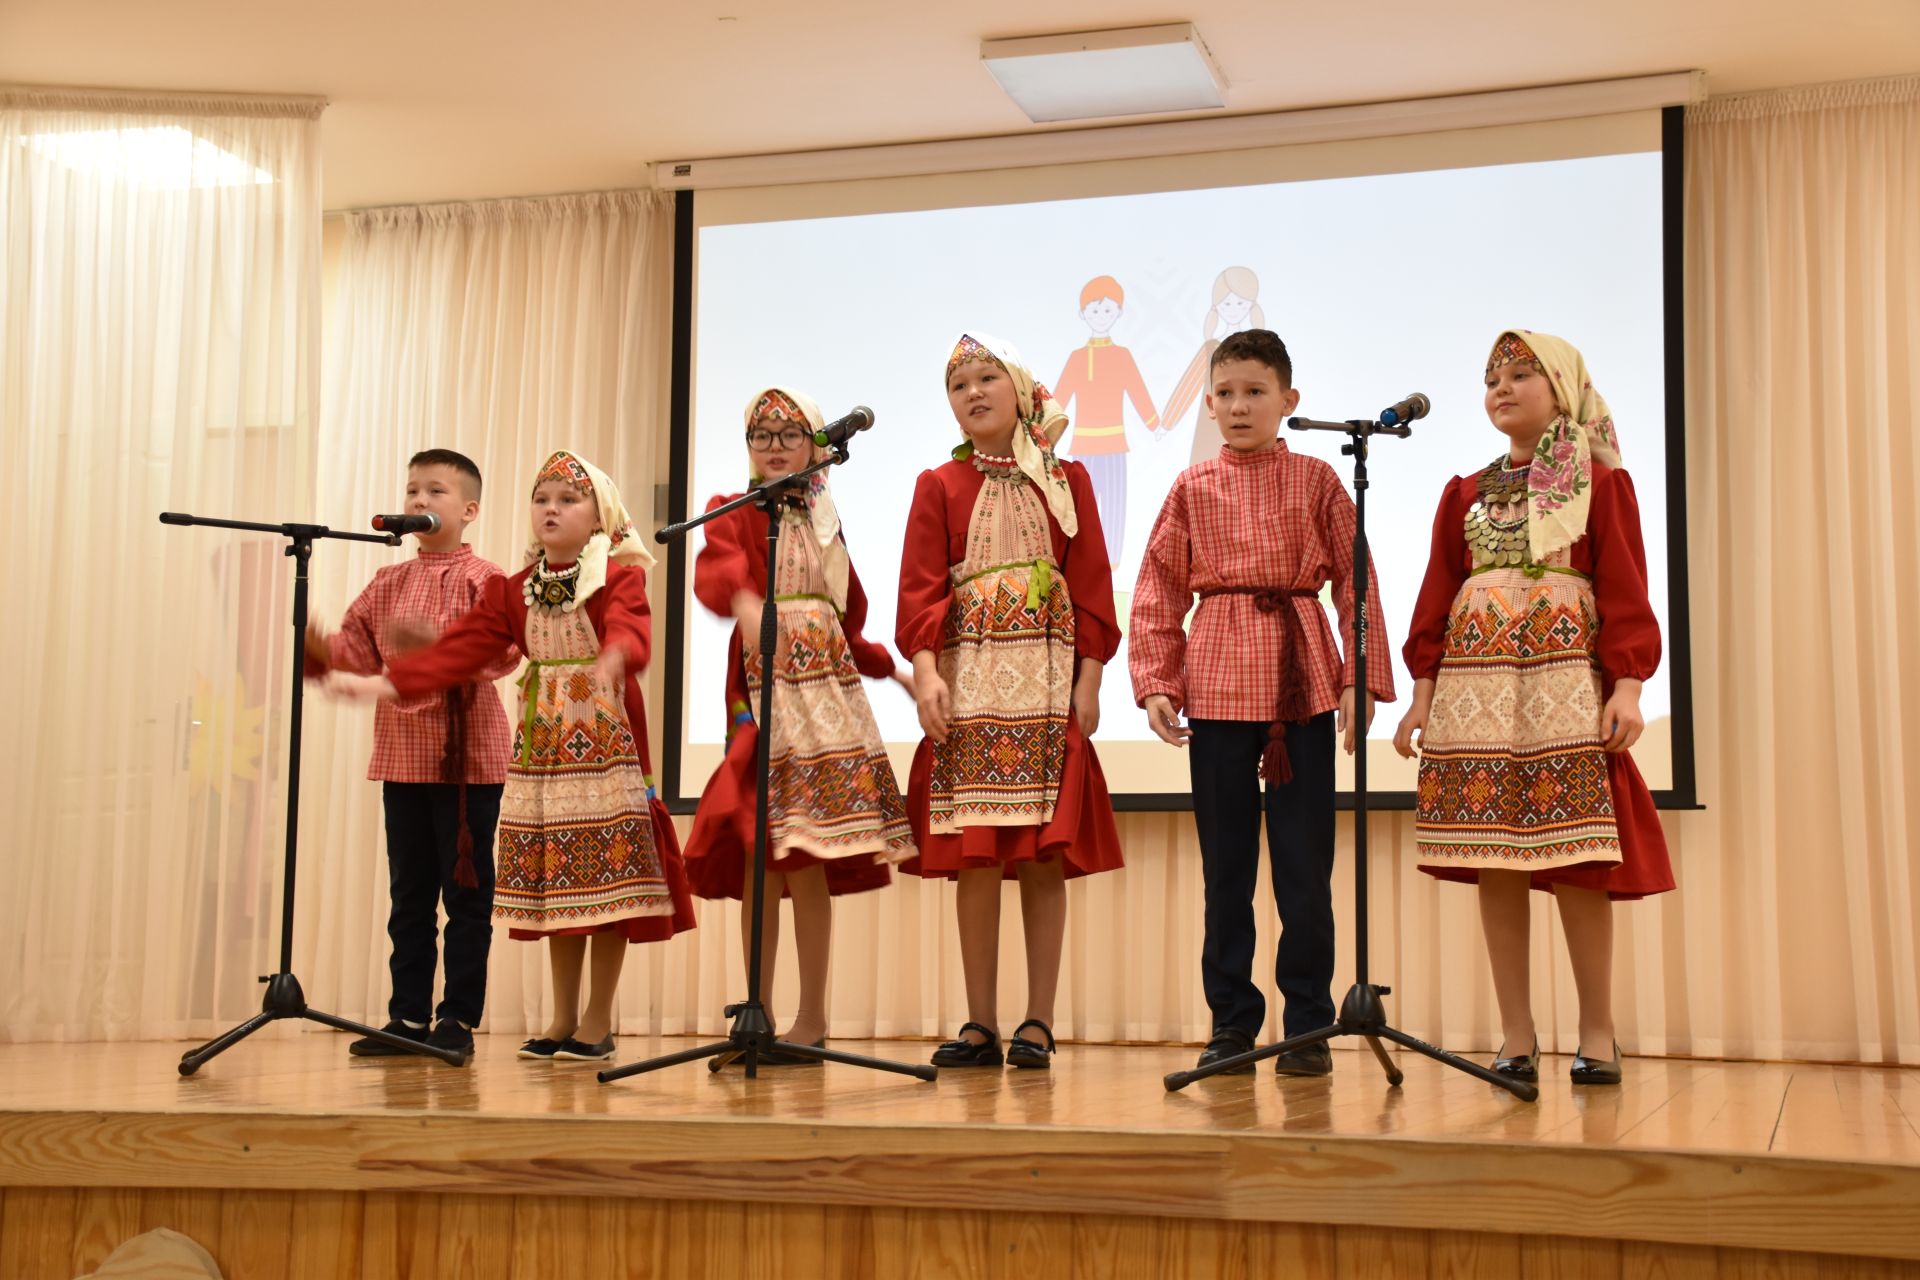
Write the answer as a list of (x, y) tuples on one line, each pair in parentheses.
[(835, 818)]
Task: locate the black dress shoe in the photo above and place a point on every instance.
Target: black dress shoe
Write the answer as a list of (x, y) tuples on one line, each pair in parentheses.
[(449, 1034), (368, 1047), (962, 1052), (1227, 1042), (1031, 1053), (1313, 1060), (1596, 1070), (540, 1048), (576, 1051), (1527, 1068)]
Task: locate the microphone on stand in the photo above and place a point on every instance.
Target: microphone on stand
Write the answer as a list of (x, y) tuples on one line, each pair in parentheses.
[(840, 430), (428, 523), (1398, 415)]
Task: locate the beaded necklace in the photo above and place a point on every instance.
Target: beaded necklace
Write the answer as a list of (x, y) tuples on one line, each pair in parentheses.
[(988, 464), (552, 590)]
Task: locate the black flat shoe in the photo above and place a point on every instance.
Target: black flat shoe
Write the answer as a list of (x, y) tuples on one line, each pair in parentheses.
[(962, 1052), (575, 1051), (1031, 1053), (448, 1033), (1527, 1068), (1596, 1070), (1227, 1042), (539, 1048), (1314, 1060), (368, 1047)]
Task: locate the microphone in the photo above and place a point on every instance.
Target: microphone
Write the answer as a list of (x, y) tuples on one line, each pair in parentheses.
[(1414, 406), (428, 523), (840, 430)]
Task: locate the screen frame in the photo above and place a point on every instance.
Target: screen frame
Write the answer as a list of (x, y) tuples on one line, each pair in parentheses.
[(1683, 795)]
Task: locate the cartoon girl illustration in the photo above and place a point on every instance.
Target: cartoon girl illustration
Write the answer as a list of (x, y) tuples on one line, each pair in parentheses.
[(1236, 306)]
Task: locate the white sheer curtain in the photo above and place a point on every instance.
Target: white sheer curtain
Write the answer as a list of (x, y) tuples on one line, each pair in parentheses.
[(159, 345), (1803, 288), (503, 329)]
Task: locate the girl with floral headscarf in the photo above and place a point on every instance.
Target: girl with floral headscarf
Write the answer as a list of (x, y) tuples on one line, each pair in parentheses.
[(1530, 641), (835, 818), (587, 854), (1006, 612)]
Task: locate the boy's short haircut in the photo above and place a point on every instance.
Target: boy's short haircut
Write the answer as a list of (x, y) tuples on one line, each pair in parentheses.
[(1102, 287), (1263, 345), (448, 458)]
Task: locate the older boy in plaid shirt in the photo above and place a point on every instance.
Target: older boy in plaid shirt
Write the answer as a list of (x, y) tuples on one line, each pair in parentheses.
[(1256, 533), (441, 760)]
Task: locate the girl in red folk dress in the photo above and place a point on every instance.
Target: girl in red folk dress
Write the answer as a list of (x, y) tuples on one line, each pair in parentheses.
[(587, 854), (835, 817), (1006, 612), (1529, 643)]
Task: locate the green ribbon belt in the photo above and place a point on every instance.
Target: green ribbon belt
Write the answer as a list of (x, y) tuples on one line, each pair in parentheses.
[(1534, 571), (1039, 581)]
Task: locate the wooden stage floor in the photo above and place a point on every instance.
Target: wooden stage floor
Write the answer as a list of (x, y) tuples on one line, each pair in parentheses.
[(356, 1166)]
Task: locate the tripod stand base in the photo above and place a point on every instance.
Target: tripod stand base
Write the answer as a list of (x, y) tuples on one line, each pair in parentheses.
[(284, 999), (1361, 1014), (750, 1037)]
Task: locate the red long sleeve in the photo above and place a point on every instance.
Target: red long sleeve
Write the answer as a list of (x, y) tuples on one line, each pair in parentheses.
[(353, 647), (485, 636), (1629, 640), (627, 623), (927, 551), (1447, 568), (1162, 598), (727, 564)]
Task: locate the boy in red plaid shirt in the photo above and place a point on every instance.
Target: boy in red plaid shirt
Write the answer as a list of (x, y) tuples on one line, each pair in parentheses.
[(1256, 533), (441, 761)]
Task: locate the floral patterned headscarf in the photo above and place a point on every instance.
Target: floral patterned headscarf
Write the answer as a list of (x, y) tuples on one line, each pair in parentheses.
[(784, 404), (614, 538), (1560, 480), (1041, 423)]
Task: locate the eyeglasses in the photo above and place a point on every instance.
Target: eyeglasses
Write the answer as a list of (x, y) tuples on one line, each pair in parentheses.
[(760, 440)]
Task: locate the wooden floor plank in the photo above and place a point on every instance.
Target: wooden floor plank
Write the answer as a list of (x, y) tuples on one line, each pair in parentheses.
[(1700, 1154)]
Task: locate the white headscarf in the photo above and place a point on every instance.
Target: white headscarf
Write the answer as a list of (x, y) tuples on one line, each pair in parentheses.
[(614, 538), (822, 515), (1041, 423), (1560, 478)]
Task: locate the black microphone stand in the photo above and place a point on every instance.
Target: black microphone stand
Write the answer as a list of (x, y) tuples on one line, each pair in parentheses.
[(284, 997), (1361, 1013), (752, 1032)]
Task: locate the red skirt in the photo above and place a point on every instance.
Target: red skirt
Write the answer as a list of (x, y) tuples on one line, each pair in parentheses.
[(642, 928), (722, 837), (1644, 868), (1082, 829)]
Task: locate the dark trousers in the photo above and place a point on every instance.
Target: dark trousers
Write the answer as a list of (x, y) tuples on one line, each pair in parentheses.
[(423, 830), (1224, 756)]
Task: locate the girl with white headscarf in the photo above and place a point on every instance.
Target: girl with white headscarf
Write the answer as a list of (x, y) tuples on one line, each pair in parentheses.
[(835, 818), (1006, 612), (587, 856), (1529, 643)]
